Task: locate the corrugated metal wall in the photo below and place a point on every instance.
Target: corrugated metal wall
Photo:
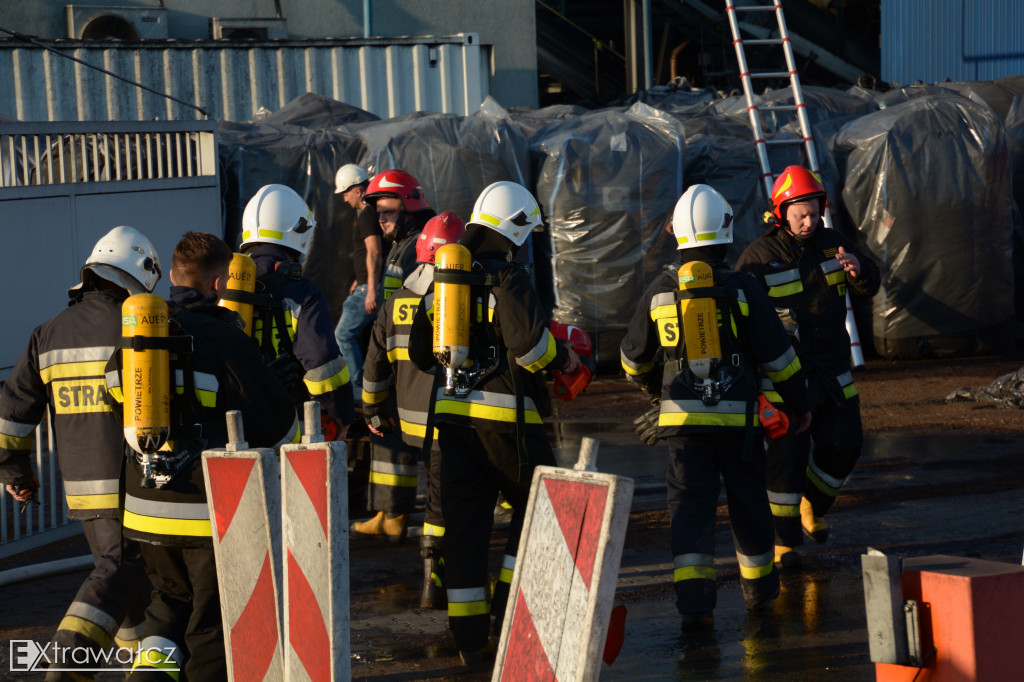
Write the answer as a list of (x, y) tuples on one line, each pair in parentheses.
[(962, 40), (231, 81)]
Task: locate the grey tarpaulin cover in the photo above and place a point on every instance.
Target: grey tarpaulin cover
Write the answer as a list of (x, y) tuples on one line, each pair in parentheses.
[(254, 155), (1006, 391), (607, 183), (454, 157), (928, 187)]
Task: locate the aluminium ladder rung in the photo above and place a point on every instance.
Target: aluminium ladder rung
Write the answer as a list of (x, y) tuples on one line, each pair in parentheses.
[(768, 74), (778, 107), (784, 140), (752, 8), (763, 41)]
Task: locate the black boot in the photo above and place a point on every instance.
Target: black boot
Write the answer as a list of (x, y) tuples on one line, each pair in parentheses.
[(434, 596)]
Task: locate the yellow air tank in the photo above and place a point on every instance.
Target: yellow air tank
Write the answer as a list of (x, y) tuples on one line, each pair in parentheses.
[(241, 277), (451, 310), (700, 320), (146, 380)]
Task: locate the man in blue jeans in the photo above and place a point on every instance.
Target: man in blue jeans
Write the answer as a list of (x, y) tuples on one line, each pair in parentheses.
[(360, 308)]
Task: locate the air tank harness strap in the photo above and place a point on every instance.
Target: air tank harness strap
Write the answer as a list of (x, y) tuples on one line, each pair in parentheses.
[(251, 298)]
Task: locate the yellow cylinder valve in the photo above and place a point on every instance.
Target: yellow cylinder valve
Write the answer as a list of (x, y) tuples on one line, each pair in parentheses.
[(146, 382), (451, 310), (241, 277), (700, 320)]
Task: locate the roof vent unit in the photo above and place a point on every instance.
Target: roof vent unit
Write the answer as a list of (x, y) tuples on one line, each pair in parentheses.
[(247, 29), (116, 23)]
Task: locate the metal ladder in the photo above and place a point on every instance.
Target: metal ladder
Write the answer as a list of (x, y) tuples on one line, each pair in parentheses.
[(754, 112)]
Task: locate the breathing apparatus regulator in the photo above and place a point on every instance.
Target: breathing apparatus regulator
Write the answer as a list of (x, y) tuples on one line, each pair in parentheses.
[(146, 385), (453, 282)]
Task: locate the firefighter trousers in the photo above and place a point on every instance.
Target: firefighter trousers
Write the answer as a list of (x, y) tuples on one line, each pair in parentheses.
[(110, 605), (476, 465), (393, 474), (183, 621), (433, 521), (795, 470), (696, 465)]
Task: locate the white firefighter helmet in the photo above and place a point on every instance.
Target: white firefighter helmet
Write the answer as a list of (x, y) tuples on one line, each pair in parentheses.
[(348, 176), (702, 217), (126, 258), (277, 215), (509, 209)]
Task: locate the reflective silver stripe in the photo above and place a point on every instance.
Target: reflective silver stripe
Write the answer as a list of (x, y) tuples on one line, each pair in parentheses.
[(113, 379), (62, 355), (326, 370), (398, 341), (785, 277), (93, 615), (831, 266), (685, 560), (16, 429), (845, 379), (780, 363), (698, 406), (203, 380), (162, 645), (830, 481), (131, 634), (101, 486), (508, 561), (292, 306), (412, 416), (490, 399), (766, 384), (392, 468), (292, 435), (167, 510), (791, 499), (756, 560), (666, 298), (375, 386), (537, 352), (393, 270), (467, 594)]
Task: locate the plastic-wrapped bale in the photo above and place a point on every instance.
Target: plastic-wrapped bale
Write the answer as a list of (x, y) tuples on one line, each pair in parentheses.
[(254, 155), (1015, 129), (454, 157), (821, 104), (607, 183), (928, 187)]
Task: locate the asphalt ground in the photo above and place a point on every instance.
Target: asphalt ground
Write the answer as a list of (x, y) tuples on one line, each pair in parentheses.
[(955, 491)]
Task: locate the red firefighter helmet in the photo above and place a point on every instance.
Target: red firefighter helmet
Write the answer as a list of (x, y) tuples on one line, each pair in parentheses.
[(569, 332), (796, 183), (398, 184), (446, 228)]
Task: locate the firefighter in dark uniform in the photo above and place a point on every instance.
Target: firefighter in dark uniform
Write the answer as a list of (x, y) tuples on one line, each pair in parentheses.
[(491, 433), (407, 407), (707, 404), (807, 271), (403, 212), (223, 372), (277, 227), (62, 367)]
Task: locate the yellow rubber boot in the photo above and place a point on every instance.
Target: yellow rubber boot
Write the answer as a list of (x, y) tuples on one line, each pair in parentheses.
[(389, 526), (787, 557), (815, 527)]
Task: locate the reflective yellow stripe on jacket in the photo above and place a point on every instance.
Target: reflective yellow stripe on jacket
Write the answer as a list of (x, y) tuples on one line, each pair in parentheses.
[(486, 405), (96, 494), (167, 518)]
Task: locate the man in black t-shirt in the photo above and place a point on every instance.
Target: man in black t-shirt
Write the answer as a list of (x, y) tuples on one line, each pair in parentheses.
[(360, 308)]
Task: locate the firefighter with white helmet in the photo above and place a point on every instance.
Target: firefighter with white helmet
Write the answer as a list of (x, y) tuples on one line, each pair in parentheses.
[(808, 271), (697, 343), (62, 368), (396, 404), (489, 422), (365, 294), (294, 329)]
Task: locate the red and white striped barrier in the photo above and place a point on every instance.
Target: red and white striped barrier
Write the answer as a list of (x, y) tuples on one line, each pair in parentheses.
[(314, 483), (237, 497), (563, 588)]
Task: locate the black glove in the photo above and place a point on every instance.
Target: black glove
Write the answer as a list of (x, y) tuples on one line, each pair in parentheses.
[(289, 372), (646, 426)]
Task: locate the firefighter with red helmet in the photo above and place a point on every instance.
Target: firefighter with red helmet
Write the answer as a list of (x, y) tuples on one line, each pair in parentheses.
[(807, 271), (397, 397), (403, 212), (703, 381)]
